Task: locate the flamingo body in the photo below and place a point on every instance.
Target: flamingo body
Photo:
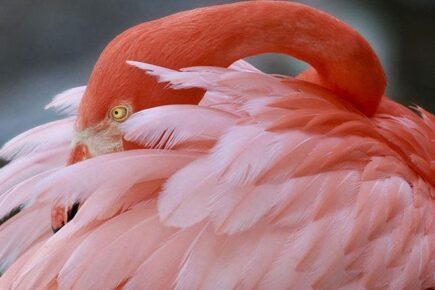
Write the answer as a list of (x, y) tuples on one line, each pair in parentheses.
[(246, 181)]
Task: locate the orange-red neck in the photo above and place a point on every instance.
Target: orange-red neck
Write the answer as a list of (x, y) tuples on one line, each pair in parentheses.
[(343, 61)]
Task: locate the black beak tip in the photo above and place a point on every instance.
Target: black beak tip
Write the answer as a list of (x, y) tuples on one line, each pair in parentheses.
[(60, 216)]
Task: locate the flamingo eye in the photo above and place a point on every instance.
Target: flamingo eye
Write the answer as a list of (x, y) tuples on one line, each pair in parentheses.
[(119, 113)]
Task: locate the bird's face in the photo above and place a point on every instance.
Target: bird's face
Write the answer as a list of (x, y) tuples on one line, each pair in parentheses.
[(104, 136), (111, 97), (113, 94)]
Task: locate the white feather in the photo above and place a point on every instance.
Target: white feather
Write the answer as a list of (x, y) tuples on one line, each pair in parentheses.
[(168, 126), (49, 136), (68, 101)]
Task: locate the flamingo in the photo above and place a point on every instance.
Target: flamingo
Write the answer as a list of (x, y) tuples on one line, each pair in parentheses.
[(182, 166)]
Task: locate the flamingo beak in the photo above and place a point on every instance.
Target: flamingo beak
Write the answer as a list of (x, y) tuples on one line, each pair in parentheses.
[(61, 214), (79, 153)]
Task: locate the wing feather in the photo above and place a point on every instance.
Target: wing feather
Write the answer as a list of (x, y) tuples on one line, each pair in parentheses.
[(226, 81), (118, 255), (68, 101), (39, 139), (169, 127), (161, 268)]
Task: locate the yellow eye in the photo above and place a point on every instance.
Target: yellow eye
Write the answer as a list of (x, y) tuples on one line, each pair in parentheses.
[(119, 113)]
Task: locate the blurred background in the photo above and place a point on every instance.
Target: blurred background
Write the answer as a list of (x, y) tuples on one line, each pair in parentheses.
[(47, 46)]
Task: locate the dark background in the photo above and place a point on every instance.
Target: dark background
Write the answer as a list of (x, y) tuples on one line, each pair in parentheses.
[(51, 45)]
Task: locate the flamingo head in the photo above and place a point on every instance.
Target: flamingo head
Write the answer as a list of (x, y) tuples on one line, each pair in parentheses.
[(116, 90)]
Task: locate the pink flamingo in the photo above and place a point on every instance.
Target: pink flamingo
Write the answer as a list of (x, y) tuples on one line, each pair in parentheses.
[(268, 182)]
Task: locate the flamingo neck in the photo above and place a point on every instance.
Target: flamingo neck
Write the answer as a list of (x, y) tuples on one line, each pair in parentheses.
[(342, 60)]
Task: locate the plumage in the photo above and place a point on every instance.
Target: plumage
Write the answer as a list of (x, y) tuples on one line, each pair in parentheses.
[(180, 124), (224, 177), (67, 102), (38, 139)]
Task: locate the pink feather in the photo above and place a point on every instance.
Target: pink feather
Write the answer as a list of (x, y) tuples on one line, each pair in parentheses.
[(68, 101)]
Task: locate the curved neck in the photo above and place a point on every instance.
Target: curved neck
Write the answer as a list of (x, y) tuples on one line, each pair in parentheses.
[(343, 61)]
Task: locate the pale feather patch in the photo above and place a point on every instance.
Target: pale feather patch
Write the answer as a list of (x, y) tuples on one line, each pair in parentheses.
[(167, 126), (101, 139), (8, 277), (227, 81), (224, 103), (161, 268), (42, 138), (22, 193), (235, 156), (21, 232), (231, 104), (67, 102), (29, 167), (238, 209), (243, 65), (101, 191), (183, 208), (119, 254), (43, 266), (66, 186), (113, 195), (146, 235)]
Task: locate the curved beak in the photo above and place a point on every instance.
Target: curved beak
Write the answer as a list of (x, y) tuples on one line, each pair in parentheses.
[(78, 153)]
